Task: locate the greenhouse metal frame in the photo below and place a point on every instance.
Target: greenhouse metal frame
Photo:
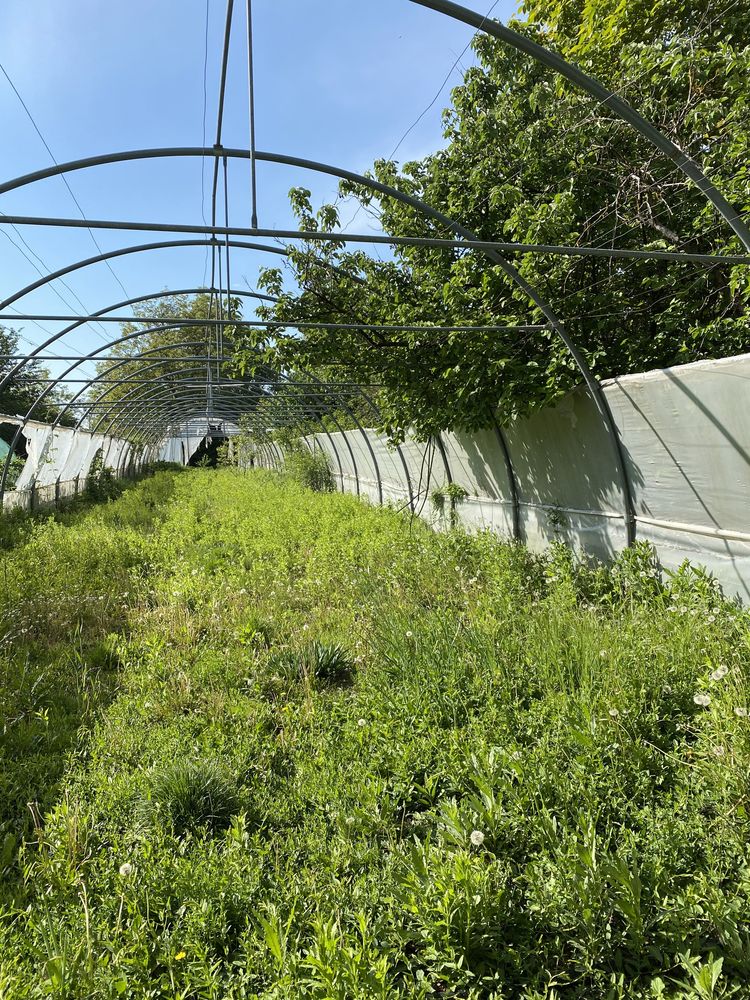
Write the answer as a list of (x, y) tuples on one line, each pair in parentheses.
[(156, 405)]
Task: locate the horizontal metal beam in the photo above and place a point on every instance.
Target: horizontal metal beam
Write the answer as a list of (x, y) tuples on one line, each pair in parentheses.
[(375, 239), (270, 324), (351, 386)]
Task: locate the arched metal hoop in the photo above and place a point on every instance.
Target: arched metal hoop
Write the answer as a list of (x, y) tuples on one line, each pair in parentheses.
[(534, 296), (589, 85)]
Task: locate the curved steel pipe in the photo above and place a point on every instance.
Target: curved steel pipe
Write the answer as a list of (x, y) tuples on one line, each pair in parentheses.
[(556, 324)]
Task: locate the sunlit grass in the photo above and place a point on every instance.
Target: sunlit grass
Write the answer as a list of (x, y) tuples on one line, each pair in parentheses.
[(285, 745)]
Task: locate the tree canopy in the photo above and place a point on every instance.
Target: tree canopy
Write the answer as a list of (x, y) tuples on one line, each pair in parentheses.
[(528, 158), (19, 393)]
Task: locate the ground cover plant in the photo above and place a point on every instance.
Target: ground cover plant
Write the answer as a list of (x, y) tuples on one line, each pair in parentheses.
[(280, 744)]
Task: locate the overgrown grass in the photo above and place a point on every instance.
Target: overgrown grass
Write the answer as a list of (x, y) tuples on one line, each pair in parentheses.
[(322, 752)]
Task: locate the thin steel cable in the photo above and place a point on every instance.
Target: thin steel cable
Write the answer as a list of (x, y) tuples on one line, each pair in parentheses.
[(62, 176), (205, 112)]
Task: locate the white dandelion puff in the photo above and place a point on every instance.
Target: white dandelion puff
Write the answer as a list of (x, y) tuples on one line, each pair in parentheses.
[(720, 673), (126, 869), (702, 698), (477, 838)]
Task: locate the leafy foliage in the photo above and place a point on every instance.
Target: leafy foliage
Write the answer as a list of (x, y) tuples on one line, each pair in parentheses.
[(19, 394), (530, 159)]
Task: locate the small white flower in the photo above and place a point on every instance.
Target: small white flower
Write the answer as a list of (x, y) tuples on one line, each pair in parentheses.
[(741, 712), (126, 869), (409, 635), (603, 653), (718, 751), (361, 722), (720, 673), (477, 838), (243, 591), (614, 713), (305, 628), (702, 699)]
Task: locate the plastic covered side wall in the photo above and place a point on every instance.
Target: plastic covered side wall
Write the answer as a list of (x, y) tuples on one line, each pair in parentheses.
[(64, 454), (686, 437)]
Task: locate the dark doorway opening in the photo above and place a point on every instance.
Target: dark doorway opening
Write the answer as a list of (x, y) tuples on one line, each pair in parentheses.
[(207, 453)]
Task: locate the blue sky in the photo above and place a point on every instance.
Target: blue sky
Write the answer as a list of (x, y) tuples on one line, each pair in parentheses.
[(336, 80)]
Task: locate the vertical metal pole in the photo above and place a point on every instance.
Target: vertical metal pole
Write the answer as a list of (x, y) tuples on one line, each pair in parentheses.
[(410, 489), (512, 481), (220, 305), (251, 99), (229, 283), (444, 456)]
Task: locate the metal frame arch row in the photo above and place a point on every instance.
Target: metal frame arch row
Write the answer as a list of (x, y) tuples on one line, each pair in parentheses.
[(554, 321), (163, 294), (626, 113), (144, 332)]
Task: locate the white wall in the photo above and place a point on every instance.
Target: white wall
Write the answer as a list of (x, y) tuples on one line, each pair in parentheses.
[(685, 433)]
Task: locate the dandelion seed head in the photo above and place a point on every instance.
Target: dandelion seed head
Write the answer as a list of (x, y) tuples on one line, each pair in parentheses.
[(741, 712), (614, 713), (720, 673), (126, 869), (477, 838), (702, 698)]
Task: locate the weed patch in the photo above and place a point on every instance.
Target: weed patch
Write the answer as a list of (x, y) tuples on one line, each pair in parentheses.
[(279, 744)]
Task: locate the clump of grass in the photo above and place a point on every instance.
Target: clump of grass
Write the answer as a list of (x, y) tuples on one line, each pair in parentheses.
[(256, 633), (326, 663), (193, 795)]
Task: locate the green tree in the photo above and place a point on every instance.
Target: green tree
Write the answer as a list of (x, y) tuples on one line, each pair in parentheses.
[(531, 159), (19, 393)]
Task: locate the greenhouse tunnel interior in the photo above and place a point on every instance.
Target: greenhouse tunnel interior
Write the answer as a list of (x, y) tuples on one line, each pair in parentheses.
[(374, 480), (658, 455)]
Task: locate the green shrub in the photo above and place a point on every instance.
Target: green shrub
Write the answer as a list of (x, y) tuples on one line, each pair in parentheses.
[(311, 468), (316, 661)]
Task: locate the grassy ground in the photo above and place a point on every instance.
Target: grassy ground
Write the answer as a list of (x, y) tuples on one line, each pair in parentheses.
[(279, 744)]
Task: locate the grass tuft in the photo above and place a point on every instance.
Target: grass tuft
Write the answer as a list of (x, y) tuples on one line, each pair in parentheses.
[(193, 795)]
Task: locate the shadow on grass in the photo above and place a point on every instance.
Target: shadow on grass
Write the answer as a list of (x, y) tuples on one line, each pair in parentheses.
[(48, 696)]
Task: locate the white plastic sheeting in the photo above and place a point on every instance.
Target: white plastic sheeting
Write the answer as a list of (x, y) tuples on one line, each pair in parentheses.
[(182, 442), (64, 453), (685, 433)]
